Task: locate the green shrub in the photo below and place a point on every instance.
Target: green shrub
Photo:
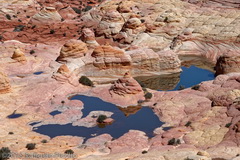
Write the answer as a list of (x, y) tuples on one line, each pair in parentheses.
[(44, 141), (86, 81), (87, 8), (188, 124), (69, 151), (8, 17), (5, 153), (32, 52), (18, 28), (196, 87), (101, 118), (148, 95), (181, 87), (228, 125), (31, 146), (174, 141), (10, 133), (52, 31), (144, 152), (78, 11)]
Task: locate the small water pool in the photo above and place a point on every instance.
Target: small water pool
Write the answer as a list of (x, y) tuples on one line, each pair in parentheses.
[(143, 119), (192, 76), (38, 73), (189, 77)]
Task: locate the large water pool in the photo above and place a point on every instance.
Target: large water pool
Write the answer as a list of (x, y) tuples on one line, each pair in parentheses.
[(134, 117)]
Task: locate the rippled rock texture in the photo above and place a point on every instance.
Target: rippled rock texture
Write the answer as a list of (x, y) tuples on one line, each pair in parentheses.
[(64, 40)]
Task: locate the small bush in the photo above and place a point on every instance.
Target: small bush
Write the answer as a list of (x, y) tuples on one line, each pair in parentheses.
[(28, 16), (188, 158), (188, 124), (101, 118), (181, 87), (31, 146), (148, 95), (1, 37), (8, 17), (10, 133), (228, 125), (174, 141), (18, 28), (5, 153), (44, 141), (32, 52), (86, 81), (87, 8), (196, 87), (78, 11), (52, 31), (34, 26), (64, 34), (69, 151), (144, 152)]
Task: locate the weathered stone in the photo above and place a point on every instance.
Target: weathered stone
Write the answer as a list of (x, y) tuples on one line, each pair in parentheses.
[(72, 49)]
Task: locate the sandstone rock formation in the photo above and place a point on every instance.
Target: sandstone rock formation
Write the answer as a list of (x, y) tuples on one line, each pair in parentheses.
[(227, 64), (19, 56), (126, 85), (89, 38), (4, 83), (72, 49), (107, 56), (64, 75), (46, 15), (147, 61)]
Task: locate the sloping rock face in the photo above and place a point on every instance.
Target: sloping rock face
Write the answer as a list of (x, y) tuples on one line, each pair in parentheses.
[(4, 83), (131, 141), (216, 3), (146, 60), (126, 85), (227, 64), (89, 38), (72, 49), (107, 56), (46, 15)]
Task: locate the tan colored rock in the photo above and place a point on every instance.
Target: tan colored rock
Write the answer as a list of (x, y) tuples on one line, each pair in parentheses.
[(63, 69), (111, 24), (133, 23), (19, 56), (4, 83), (17, 2), (72, 49), (107, 57), (227, 64), (126, 85), (47, 15), (147, 60), (64, 75)]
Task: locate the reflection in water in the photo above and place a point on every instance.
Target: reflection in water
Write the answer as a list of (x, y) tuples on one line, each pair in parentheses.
[(189, 77), (130, 110), (144, 120), (160, 82)]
